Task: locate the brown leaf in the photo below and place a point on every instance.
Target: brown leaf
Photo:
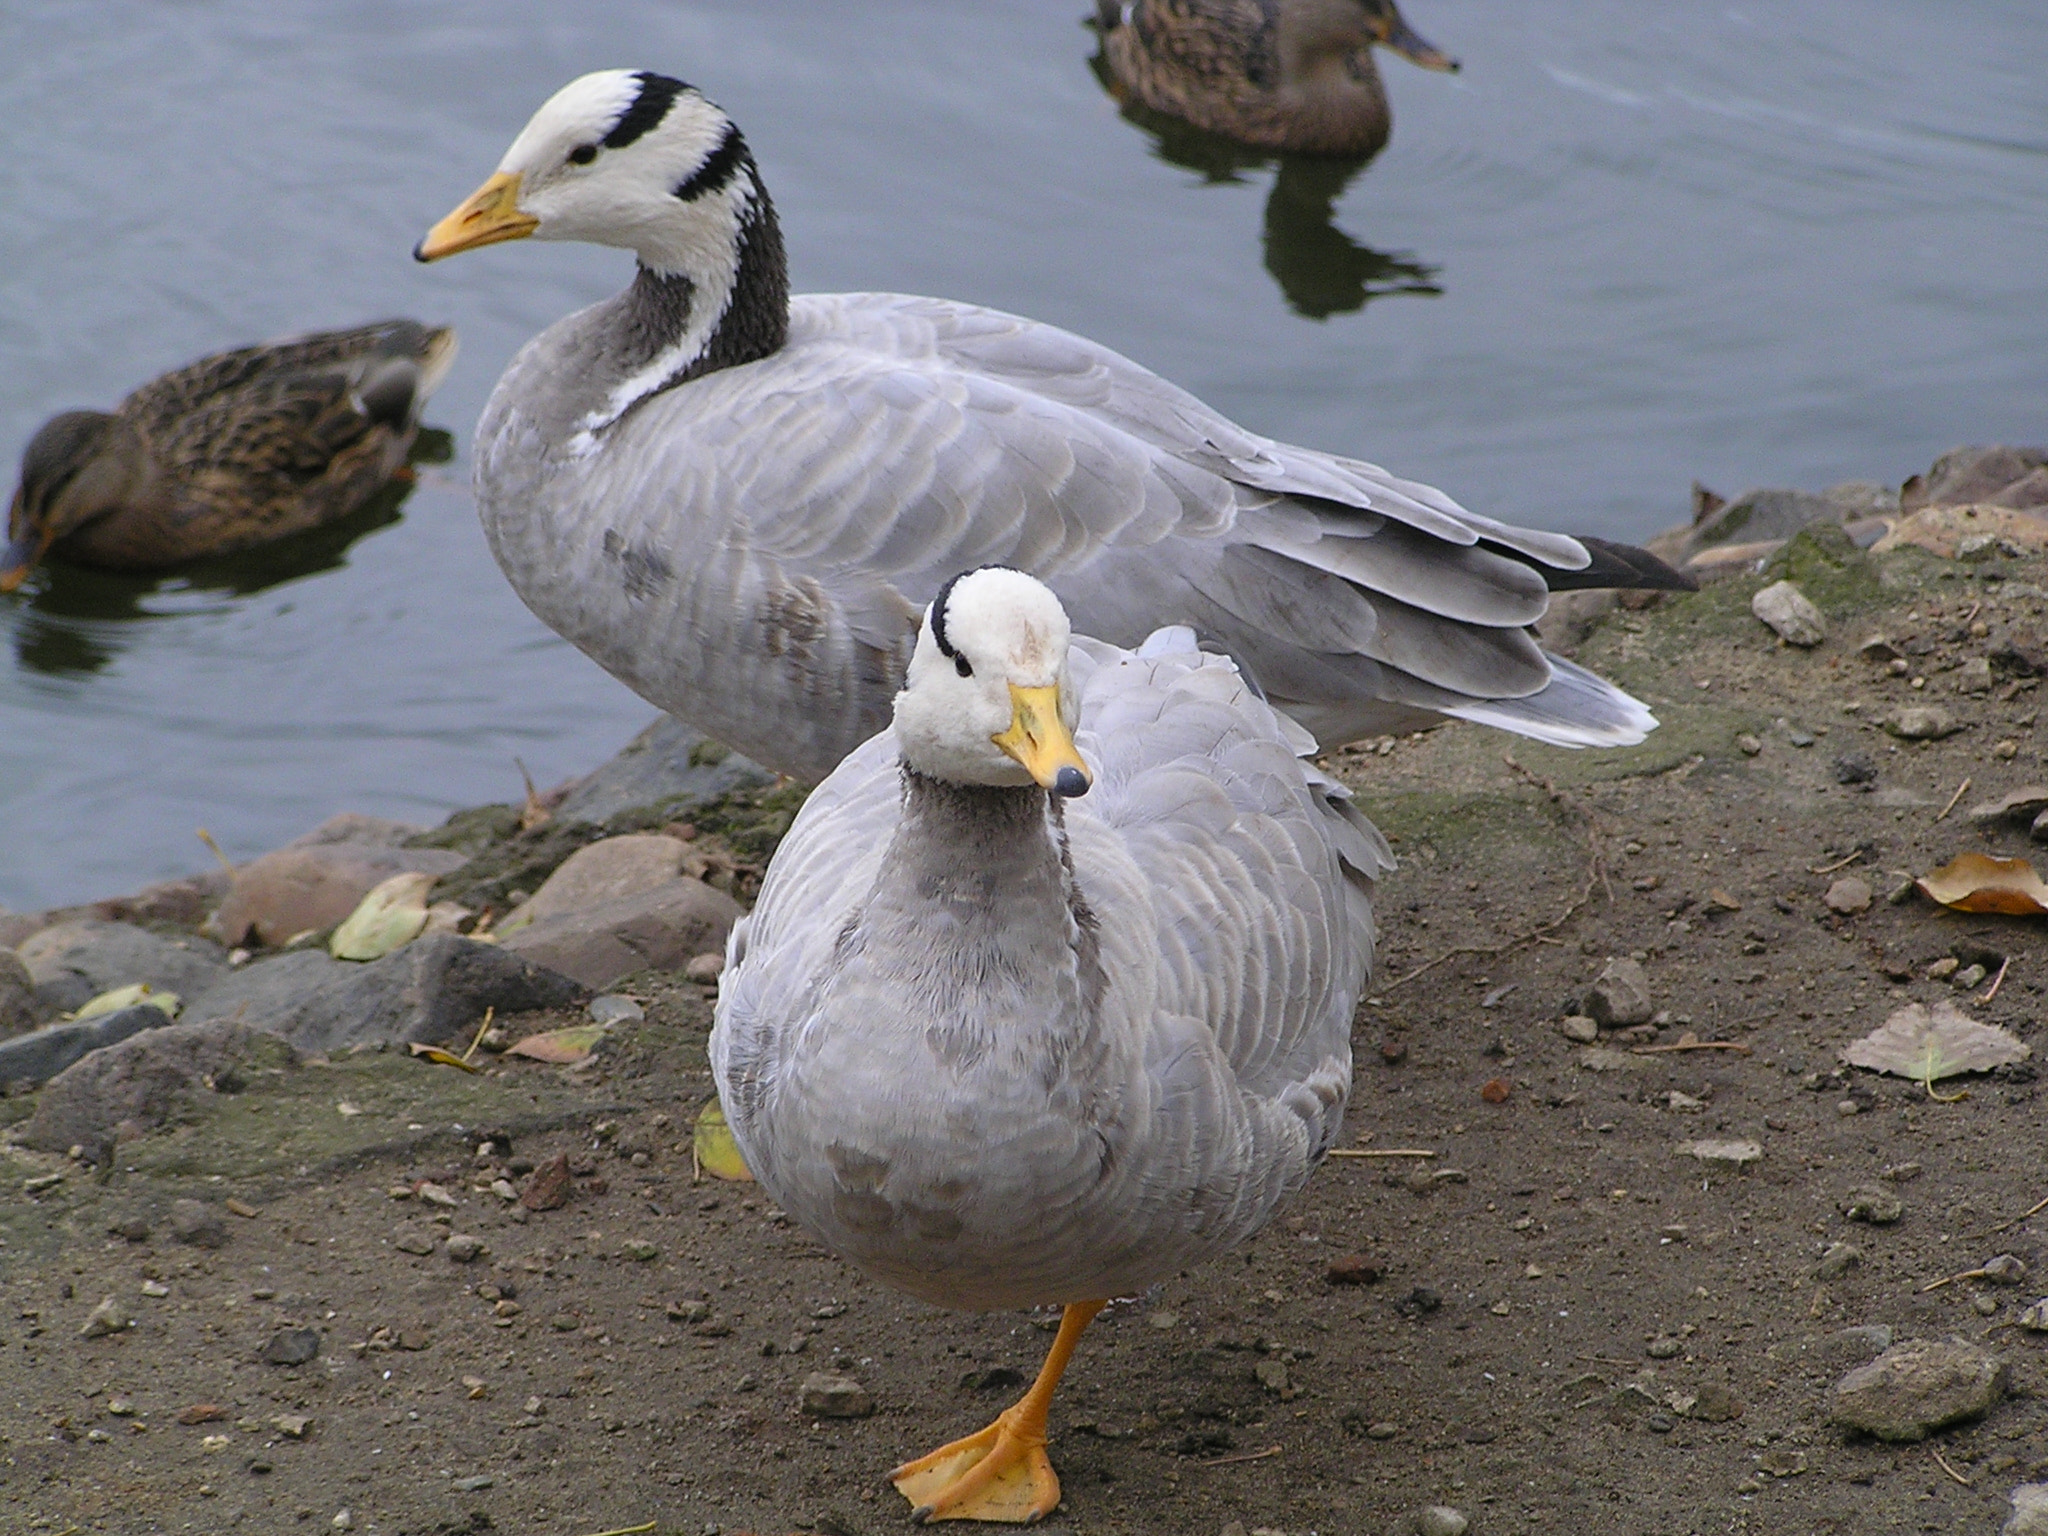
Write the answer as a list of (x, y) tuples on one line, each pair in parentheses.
[(1981, 882), (202, 1413), (549, 1186)]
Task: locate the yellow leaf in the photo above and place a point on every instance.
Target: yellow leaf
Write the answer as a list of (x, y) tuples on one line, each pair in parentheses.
[(435, 1054), (1980, 882), (559, 1046), (127, 997), (390, 916), (716, 1152)]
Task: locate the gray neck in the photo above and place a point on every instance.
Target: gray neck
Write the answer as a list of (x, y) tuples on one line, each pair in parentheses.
[(976, 912)]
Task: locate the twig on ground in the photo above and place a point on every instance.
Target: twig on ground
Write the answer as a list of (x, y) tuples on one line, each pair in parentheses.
[(627, 1530), (1380, 1152), (480, 1030), (1952, 799), (1951, 1471), (1224, 1461), (1968, 1274), (1829, 869), (1998, 980), (2031, 1211), (1692, 1045)]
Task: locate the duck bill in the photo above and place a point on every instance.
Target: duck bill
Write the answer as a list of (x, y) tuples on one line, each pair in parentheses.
[(1414, 47), (1038, 739), (488, 215), (22, 552)]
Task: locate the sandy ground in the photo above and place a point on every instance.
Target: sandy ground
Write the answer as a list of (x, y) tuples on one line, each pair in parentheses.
[(1573, 1327)]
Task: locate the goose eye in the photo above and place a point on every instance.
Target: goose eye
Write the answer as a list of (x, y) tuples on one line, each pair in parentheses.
[(960, 665), (583, 154)]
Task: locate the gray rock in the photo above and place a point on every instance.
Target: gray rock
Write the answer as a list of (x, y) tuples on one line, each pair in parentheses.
[(20, 1008), (2029, 1511), (1837, 1261), (462, 1248), (1915, 1388), (431, 991), (1789, 612), (667, 762), (122, 1091), (661, 929), (1620, 996), (1439, 1520), (2021, 805), (824, 1396), (612, 1008), (73, 962), (1577, 1026), (1974, 474), (2035, 1318), (1766, 513), (1848, 896), (1922, 722), (182, 903), (611, 869), (1872, 1203), (198, 1224), (317, 880), (292, 1346), (1974, 676), (108, 1317), (267, 993), (40, 1055)]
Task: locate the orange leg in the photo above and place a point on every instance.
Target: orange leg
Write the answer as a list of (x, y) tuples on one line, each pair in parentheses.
[(1001, 1472)]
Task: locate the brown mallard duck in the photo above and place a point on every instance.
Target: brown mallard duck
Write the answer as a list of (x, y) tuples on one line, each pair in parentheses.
[(1292, 75), (232, 451)]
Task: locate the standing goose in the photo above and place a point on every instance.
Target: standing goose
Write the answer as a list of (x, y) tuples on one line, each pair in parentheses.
[(1290, 75), (235, 450), (737, 502), (1002, 1047)]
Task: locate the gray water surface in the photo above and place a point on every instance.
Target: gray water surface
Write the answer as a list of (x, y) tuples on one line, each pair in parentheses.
[(1632, 244)]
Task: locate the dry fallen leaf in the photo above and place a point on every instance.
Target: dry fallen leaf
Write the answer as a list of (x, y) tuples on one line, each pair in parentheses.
[(1981, 882), (559, 1046), (390, 917), (1927, 1047), (127, 997), (716, 1152), (439, 1057)]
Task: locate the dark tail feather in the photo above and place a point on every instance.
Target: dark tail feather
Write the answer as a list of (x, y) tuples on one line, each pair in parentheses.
[(1620, 565)]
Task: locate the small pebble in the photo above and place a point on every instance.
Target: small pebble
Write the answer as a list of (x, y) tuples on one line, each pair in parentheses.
[(1439, 1520), (1579, 1027), (1848, 896), (1839, 1259), (463, 1248), (614, 1008), (1879, 1207), (705, 967), (1665, 1348), (824, 1396)]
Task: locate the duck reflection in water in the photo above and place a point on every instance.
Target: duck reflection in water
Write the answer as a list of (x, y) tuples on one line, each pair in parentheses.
[(1226, 86), (70, 621)]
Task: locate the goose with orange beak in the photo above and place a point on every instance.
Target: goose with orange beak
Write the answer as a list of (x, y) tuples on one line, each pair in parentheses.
[(1048, 992)]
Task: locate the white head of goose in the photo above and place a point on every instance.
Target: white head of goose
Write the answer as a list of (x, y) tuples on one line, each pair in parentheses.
[(1001, 1044), (739, 502)]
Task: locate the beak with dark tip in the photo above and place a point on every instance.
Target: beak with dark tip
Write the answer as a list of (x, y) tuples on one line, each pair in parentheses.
[(1413, 46), (488, 215), (1038, 738), (23, 550)]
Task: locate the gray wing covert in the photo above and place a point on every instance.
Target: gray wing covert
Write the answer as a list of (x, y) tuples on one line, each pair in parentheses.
[(1259, 870)]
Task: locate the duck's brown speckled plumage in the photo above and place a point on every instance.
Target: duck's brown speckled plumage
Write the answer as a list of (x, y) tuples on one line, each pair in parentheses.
[(1291, 75), (235, 450)]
